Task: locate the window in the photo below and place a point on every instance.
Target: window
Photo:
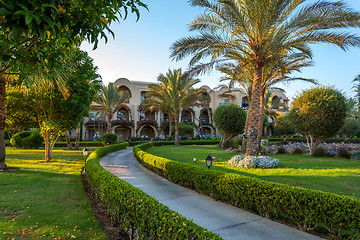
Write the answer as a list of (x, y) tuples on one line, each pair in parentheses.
[(224, 101)]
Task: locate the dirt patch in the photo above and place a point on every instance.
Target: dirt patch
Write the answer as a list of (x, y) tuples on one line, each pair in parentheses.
[(100, 213), (9, 169)]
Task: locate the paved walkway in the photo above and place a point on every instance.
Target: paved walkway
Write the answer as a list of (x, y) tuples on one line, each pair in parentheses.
[(228, 221)]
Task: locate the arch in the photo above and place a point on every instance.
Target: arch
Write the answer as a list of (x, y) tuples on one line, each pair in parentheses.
[(123, 133), (275, 98), (123, 114), (204, 115), (124, 88), (147, 131), (245, 102), (186, 116), (206, 130)]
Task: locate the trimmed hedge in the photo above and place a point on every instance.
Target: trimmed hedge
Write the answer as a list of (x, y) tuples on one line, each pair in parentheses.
[(135, 212), (82, 144), (336, 140), (27, 139), (304, 207)]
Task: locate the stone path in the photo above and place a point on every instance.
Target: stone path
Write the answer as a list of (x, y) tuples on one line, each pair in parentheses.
[(228, 221)]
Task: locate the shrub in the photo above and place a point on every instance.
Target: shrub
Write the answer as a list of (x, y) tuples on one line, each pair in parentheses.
[(108, 138), (281, 150), (344, 153), (27, 139), (319, 152), (145, 217), (298, 205), (299, 150), (6, 134)]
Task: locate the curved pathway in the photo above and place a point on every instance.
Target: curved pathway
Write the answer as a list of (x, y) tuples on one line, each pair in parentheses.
[(228, 221)]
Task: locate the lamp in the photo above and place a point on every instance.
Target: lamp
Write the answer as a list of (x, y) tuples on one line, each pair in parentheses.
[(85, 153), (209, 160)]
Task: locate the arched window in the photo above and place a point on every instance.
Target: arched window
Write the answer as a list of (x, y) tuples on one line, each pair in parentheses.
[(125, 89)]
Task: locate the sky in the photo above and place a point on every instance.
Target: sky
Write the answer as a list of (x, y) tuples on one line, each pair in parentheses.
[(140, 50)]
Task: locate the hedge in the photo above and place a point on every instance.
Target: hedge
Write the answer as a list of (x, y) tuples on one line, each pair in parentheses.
[(304, 207), (134, 212), (336, 140)]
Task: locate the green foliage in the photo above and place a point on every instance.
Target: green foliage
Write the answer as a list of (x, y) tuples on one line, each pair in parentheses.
[(108, 138), (319, 152), (27, 139), (344, 153), (283, 126), (133, 210), (281, 150), (350, 128), (6, 134), (301, 206), (299, 150), (230, 119)]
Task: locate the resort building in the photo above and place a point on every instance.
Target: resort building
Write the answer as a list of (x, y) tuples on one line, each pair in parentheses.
[(131, 121)]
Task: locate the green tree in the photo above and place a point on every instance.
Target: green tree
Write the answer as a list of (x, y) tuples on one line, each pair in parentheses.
[(283, 126), (350, 128), (230, 120), (176, 89), (262, 31), (27, 26), (318, 114), (83, 84), (110, 100)]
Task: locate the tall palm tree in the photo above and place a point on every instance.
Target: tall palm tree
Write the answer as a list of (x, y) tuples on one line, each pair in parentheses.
[(261, 31), (111, 100), (174, 93)]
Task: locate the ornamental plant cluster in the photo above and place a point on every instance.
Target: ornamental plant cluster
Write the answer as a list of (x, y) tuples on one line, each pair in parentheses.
[(304, 207), (134, 212), (240, 161)]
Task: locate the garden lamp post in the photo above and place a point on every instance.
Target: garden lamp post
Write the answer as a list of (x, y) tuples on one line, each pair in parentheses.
[(85, 153), (209, 160)]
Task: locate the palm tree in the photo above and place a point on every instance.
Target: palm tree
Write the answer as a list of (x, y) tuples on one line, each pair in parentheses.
[(111, 100), (174, 93), (262, 31)]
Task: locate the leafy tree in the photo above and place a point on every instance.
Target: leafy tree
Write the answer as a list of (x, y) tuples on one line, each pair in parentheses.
[(82, 82), (175, 92), (230, 120), (318, 113), (283, 126), (350, 128), (257, 32), (27, 26), (111, 100)]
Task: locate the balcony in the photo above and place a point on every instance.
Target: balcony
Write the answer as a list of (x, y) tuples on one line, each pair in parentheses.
[(147, 122), (124, 123)]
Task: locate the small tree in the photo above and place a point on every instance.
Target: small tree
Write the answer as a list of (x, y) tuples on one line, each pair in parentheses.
[(230, 120), (350, 128), (318, 113), (283, 126)]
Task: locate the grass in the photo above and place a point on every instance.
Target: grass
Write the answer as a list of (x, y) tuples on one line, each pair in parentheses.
[(45, 200), (336, 175)]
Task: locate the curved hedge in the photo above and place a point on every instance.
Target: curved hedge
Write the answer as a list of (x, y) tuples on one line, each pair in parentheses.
[(135, 212), (304, 207)]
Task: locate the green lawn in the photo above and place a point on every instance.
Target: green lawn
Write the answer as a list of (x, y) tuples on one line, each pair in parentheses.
[(341, 176), (45, 200)]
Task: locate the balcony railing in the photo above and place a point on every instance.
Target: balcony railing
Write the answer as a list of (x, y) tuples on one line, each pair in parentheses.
[(95, 123), (124, 123), (146, 122)]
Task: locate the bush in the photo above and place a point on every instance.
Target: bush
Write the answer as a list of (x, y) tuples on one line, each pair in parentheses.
[(281, 150), (108, 138), (344, 153), (27, 139), (297, 205), (319, 152), (145, 217), (299, 150), (6, 134)]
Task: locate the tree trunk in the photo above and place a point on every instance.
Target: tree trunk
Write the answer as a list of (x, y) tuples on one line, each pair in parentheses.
[(48, 151), (261, 117), (77, 141), (68, 140), (176, 143), (253, 115), (109, 123), (170, 124), (2, 122)]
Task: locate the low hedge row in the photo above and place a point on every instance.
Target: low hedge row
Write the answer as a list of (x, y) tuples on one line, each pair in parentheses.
[(304, 207), (82, 144), (133, 211), (336, 140)]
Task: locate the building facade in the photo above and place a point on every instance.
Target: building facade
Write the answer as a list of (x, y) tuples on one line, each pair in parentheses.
[(131, 121)]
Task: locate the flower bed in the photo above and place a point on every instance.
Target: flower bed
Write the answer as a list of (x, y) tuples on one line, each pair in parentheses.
[(241, 161)]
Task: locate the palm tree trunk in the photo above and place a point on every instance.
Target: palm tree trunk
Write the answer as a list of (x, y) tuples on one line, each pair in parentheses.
[(2, 122), (170, 124), (261, 116), (68, 140), (109, 123), (77, 141), (176, 143), (253, 115)]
